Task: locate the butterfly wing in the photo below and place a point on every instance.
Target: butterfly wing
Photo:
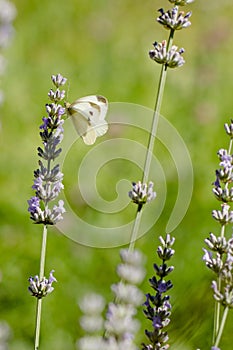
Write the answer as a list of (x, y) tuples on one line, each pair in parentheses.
[(98, 111), (88, 114), (90, 137)]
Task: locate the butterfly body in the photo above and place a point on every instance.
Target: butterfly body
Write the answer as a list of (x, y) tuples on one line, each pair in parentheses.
[(88, 116)]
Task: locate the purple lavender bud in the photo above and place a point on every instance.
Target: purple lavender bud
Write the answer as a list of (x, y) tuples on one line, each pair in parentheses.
[(34, 203), (58, 80), (157, 322), (56, 95), (46, 123), (225, 158)]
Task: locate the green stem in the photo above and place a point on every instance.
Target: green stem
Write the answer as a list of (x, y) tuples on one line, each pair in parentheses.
[(43, 252), (217, 309), (224, 317), (230, 146), (217, 306), (150, 147), (156, 114), (135, 229), (39, 301), (38, 319)]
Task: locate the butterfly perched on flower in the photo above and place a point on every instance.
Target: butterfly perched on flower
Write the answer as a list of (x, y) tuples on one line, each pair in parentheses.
[(88, 116)]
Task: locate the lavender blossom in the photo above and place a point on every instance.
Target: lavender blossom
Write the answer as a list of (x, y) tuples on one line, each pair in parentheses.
[(172, 58), (172, 20), (92, 322), (181, 2), (39, 288), (120, 324), (141, 193), (48, 179), (157, 306), (219, 255)]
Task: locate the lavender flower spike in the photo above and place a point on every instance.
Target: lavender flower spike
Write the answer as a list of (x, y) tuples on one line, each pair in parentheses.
[(219, 255), (48, 179), (157, 306)]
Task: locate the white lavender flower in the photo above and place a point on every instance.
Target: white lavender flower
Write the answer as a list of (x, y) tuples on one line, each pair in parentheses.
[(135, 257), (223, 194), (127, 293), (172, 20), (92, 304), (120, 320), (142, 193), (120, 324), (131, 270), (224, 216), (113, 344), (39, 288), (229, 128), (91, 322), (213, 263), (218, 244), (172, 58), (91, 343), (131, 274), (225, 297), (219, 256), (181, 2)]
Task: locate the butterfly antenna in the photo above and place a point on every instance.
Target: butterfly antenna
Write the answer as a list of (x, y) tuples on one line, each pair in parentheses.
[(68, 89)]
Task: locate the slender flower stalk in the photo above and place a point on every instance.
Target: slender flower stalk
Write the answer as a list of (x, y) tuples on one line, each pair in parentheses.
[(219, 255), (169, 56), (47, 186), (120, 325)]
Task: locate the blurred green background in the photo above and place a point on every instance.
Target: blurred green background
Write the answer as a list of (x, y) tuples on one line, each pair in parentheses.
[(102, 48)]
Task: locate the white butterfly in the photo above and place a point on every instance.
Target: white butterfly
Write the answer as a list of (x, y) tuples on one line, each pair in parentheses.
[(88, 116)]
